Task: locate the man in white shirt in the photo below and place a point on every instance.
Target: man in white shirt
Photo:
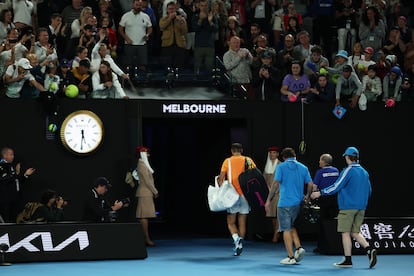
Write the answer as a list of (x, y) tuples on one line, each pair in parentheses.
[(135, 28)]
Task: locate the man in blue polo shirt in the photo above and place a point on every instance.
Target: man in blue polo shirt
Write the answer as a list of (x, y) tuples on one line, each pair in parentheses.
[(354, 189), (325, 177), (291, 176)]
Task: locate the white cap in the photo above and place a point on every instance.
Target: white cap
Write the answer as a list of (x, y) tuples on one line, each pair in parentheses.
[(24, 63)]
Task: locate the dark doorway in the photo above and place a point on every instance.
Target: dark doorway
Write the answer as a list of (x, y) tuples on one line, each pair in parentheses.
[(186, 154)]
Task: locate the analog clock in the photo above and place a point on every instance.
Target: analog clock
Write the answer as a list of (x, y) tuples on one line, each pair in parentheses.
[(82, 132)]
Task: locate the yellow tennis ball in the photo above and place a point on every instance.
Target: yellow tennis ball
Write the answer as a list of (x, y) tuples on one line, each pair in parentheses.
[(72, 91), (323, 71), (52, 127), (361, 66), (53, 86)]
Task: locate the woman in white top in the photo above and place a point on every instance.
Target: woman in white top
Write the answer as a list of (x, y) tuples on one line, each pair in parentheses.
[(105, 83), (77, 24), (6, 23)]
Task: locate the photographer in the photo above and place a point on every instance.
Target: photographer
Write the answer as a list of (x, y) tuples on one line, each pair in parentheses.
[(51, 209), (97, 209)]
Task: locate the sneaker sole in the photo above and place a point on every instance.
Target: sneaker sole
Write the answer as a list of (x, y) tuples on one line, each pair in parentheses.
[(373, 259), (342, 266)]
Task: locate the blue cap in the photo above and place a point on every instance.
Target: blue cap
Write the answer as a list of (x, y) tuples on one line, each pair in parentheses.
[(342, 53), (351, 151)]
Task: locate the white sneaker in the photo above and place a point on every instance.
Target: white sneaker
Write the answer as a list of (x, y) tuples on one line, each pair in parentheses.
[(238, 247), (299, 254), (288, 261)]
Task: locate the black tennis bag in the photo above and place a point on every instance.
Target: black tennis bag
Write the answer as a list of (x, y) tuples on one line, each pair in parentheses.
[(253, 185)]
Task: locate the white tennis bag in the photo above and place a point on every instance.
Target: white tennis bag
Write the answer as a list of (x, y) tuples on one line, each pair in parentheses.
[(221, 198)]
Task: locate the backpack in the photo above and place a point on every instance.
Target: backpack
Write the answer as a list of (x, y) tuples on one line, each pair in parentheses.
[(26, 216)]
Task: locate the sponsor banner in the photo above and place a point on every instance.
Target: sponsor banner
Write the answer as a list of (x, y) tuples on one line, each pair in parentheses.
[(72, 241), (388, 235)]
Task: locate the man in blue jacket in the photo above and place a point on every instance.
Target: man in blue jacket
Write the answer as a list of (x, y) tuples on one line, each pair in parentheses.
[(354, 189)]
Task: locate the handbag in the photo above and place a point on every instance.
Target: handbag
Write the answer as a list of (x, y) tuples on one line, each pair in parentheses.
[(221, 198)]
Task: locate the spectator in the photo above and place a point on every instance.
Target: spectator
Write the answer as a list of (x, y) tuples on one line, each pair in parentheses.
[(304, 46), (348, 87), (16, 75), (81, 54), (296, 84), (261, 45), (260, 12), (237, 62), (293, 26), (407, 86), (312, 65), (322, 91), (238, 9), (346, 17), (6, 23), (174, 29), (65, 75), (391, 84), (205, 26), (54, 32), (394, 45), (87, 38), (81, 77), (135, 28), (219, 11), (99, 53), (362, 66), (286, 55), (76, 29), (371, 29), (105, 83), (291, 12), (111, 37), (255, 32), (43, 49), (24, 14), (266, 78), (371, 84), (234, 29), (356, 56), (409, 53)]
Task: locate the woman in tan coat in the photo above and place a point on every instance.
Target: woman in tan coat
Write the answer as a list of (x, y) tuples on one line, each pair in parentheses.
[(269, 174), (146, 192)]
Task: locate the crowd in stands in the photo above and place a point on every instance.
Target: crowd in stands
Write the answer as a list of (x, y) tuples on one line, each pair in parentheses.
[(331, 51)]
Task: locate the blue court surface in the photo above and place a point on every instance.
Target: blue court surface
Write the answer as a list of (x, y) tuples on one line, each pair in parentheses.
[(213, 257)]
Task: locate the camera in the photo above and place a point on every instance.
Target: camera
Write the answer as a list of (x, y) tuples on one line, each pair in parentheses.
[(125, 202)]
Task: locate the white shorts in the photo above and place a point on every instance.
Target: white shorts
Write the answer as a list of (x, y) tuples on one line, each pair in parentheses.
[(241, 207)]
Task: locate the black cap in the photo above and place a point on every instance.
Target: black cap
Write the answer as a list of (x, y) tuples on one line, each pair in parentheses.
[(85, 62), (347, 68), (102, 181)]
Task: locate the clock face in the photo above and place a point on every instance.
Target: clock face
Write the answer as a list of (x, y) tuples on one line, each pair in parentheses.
[(82, 132)]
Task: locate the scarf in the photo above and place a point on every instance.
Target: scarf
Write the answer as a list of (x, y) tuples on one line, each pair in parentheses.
[(144, 158)]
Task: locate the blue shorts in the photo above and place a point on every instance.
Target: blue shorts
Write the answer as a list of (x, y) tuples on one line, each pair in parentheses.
[(286, 217), (241, 207)]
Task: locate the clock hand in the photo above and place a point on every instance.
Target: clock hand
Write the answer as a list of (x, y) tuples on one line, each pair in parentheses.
[(82, 138)]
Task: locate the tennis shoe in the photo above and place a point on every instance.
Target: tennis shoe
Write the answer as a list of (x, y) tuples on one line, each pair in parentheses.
[(288, 261), (343, 264), (372, 256), (238, 247), (299, 254)]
